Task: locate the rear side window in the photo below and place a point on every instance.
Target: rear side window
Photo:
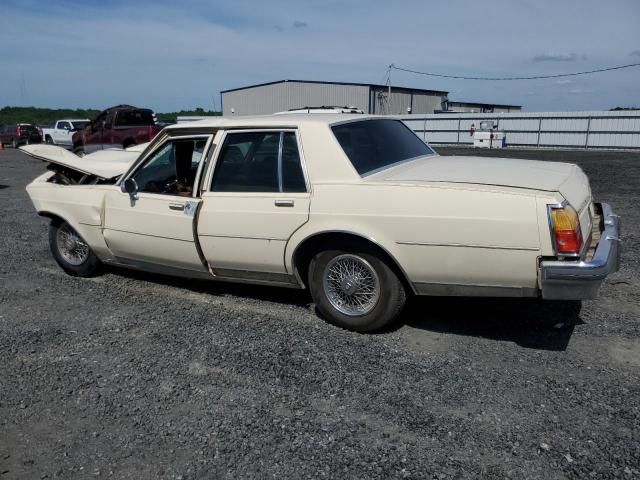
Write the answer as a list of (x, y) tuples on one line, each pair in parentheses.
[(134, 118), (375, 144), (27, 128), (259, 162)]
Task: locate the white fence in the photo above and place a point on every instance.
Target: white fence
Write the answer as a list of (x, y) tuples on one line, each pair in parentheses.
[(614, 130)]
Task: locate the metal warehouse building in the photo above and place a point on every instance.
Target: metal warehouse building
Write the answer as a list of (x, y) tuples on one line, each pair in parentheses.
[(267, 98)]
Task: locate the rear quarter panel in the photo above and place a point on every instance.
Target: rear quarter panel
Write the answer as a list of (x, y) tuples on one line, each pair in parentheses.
[(438, 234)]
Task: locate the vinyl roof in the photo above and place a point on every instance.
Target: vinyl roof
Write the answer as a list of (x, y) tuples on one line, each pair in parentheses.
[(393, 87)]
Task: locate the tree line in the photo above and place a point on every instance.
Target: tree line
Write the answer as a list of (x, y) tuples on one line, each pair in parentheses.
[(48, 116)]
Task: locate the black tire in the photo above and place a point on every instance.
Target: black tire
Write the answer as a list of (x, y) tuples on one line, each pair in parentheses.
[(391, 295), (88, 265), (128, 143), (49, 140), (79, 151), (14, 144)]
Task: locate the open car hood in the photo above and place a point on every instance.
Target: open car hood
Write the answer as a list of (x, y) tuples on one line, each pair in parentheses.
[(104, 163)]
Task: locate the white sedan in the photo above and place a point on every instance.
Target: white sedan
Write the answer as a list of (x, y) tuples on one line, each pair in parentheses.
[(355, 208)]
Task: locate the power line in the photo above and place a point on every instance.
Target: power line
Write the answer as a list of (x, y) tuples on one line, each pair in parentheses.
[(533, 77)]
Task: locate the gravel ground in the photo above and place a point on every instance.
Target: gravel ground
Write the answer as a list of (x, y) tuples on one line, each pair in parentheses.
[(130, 375)]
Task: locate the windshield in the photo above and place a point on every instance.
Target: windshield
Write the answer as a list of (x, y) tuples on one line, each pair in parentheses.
[(79, 125), (375, 144)]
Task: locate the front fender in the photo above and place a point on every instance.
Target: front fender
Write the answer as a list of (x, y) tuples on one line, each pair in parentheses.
[(78, 205)]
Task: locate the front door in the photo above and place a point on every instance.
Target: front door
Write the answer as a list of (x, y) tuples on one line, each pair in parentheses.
[(156, 226), (62, 133), (256, 198)]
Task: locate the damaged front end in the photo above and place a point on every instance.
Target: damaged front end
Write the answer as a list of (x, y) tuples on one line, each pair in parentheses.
[(67, 176), (99, 168)]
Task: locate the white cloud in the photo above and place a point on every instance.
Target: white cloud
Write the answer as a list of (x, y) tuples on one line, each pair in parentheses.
[(556, 57), (580, 91)]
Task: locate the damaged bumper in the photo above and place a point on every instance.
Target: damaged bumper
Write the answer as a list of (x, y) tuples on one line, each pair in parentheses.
[(578, 280)]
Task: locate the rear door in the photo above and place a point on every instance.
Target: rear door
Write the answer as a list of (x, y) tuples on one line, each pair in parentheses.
[(256, 197)]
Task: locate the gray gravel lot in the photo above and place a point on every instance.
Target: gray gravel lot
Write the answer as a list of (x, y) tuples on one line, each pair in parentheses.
[(140, 376)]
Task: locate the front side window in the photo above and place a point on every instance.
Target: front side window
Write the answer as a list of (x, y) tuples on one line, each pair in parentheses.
[(375, 144), (259, 162), (172, 169)]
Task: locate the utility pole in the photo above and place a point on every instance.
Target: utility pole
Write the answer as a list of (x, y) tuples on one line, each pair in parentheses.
[(23, 91), (389, 91)]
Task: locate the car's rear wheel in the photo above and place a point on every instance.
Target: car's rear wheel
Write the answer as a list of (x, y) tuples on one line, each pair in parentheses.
[(79, 151), (71, 251), (355, 290), (49, 140), (14, 144)]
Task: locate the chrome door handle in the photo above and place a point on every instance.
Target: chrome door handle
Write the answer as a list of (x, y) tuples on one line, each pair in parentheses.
[(177, 206), (284, 203)]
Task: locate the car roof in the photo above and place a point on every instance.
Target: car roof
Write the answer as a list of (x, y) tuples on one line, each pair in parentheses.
[(125, 107), (276, 121)]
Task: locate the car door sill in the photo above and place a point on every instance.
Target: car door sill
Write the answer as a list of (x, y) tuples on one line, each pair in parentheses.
[(221, 275)]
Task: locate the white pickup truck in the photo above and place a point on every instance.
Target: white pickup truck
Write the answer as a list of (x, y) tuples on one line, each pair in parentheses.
[(62, 131)]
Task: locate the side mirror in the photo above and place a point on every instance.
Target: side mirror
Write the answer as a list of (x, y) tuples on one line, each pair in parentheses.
[(129, 186)]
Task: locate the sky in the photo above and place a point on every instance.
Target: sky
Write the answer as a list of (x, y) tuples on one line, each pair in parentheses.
[(172, 55)]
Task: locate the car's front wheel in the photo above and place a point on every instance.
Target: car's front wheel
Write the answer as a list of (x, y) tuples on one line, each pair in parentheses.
[(71, 251), (355, 290)]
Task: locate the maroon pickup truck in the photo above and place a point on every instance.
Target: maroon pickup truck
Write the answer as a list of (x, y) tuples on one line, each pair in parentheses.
[(116, 127)]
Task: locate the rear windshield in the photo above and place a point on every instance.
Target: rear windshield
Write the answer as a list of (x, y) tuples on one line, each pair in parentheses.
[(131, 118), (79, 125), (25, 128), (376, 144)]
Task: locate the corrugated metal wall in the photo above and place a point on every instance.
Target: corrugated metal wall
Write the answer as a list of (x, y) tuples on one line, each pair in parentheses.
[(597, 129), (460, 107), (280, 97)]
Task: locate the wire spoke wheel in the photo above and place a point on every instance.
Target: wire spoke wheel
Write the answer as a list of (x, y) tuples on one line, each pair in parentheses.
[(71, 247), (351, 285)]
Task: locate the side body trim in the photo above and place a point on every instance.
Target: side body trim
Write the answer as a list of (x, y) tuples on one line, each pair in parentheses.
[(458, 290)]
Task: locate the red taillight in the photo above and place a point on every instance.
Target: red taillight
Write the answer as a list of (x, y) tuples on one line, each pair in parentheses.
[(566, 231)]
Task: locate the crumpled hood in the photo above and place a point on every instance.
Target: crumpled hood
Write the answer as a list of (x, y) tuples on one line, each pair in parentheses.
[(104, 164)]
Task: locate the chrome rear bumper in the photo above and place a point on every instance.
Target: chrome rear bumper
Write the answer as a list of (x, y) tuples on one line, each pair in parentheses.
[(577, 280)]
